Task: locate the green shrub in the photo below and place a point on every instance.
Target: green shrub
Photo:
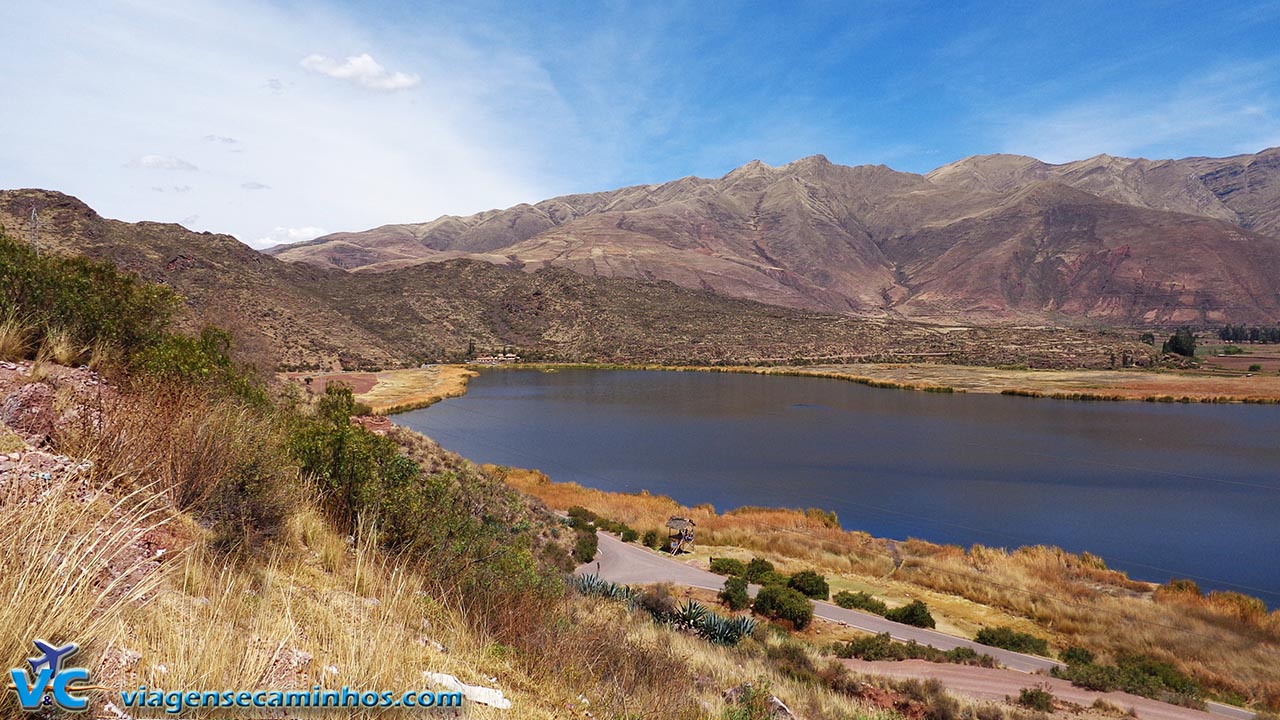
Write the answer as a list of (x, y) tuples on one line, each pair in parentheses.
[(1010, 639), (916, 613), (91, 300), (860, 601), (810, 584), (1076, 656), (1036, 699), (629, 535), (581, 517), (586, 546), (783, 603), (204, 360), (1102, 678), (728, 566), (1255, 368), (884, 647), (773, 577), (652, 539), (757, 568), (734, 593)]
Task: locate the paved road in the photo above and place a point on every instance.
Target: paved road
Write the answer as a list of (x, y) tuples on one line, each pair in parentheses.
[(629, 564), (995, 685)]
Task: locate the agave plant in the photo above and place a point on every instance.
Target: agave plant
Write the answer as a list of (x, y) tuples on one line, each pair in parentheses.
[(691, 614)]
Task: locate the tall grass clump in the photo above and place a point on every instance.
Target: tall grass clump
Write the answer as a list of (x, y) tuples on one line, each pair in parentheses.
[(70, 568)]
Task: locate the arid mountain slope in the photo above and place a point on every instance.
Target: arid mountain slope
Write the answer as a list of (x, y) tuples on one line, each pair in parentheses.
[(300, 314), (869, 240), (1243, 189)]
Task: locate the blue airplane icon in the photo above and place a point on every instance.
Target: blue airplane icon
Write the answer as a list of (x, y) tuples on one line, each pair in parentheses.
[(52, 657)]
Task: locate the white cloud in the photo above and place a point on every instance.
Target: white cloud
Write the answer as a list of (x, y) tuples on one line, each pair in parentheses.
[(362, 70), (222, 139), (460, 142), (255, 186), (161, 162), (172, 188), (284, 235)]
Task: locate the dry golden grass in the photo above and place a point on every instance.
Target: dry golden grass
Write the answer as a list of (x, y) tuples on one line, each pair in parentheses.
[(15, 337), (1134, 384), (393, 391), (1131, 384), (1227, 641), (59, 346), (70, 567)]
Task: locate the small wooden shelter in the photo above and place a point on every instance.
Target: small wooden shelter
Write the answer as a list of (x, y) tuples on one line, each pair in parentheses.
[(680, 535)]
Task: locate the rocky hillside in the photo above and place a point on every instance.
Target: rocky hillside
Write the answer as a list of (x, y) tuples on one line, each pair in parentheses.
[(1122, 241), (298, 314)]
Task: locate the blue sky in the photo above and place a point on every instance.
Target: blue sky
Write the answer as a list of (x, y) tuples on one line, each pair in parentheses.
[(279, 121)]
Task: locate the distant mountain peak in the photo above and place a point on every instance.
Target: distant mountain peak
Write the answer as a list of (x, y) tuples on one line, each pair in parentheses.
[(1136, 241)]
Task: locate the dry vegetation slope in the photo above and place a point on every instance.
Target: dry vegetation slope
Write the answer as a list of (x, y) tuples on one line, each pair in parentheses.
[(157, 598), (1226, 640), (1113, 239)]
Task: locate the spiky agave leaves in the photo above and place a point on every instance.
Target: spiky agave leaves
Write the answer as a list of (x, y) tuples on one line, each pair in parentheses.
[(599, 587), (691, 614), (725, 630)]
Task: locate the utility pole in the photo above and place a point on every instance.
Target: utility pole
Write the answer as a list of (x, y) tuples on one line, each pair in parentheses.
[(35, 229)]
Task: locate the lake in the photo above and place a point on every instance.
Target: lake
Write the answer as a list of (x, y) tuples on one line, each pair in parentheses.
[(1156, 489)]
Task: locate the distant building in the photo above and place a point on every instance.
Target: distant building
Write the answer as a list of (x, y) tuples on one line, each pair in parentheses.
[(497, 359)]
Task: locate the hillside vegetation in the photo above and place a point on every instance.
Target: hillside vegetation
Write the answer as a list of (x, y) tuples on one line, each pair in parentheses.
[(1226, 641), (202, 529)]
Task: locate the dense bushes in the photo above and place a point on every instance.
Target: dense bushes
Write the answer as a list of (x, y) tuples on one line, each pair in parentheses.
[(757, 568), (783, 603), (860, 601), (810, 584), (884, 647), (1010, 639), (728, 566), (734, 593), (93, 302), (585, 547), (1036, 698), (1137, 674), (1076, 656), (916, 613)]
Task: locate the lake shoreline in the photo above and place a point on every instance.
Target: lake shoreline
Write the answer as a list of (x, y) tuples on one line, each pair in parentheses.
[(1078, 385)]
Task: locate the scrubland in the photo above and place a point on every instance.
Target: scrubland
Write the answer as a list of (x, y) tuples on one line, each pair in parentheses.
[(1226, 640)]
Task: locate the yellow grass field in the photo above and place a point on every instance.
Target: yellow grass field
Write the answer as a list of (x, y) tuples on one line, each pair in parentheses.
[(392, 391), (1213, 384)]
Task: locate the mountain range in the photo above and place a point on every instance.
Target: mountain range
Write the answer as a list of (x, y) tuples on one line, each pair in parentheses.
[(990, 238), (301, 315)]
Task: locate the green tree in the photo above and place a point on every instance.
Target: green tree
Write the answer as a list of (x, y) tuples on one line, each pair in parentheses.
[(1182, 342)]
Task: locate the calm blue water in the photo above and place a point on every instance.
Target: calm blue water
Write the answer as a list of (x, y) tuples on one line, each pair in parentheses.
[(1159, 490)]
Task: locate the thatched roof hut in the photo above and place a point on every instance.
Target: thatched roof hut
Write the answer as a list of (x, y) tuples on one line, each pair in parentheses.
[(679, 523)]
